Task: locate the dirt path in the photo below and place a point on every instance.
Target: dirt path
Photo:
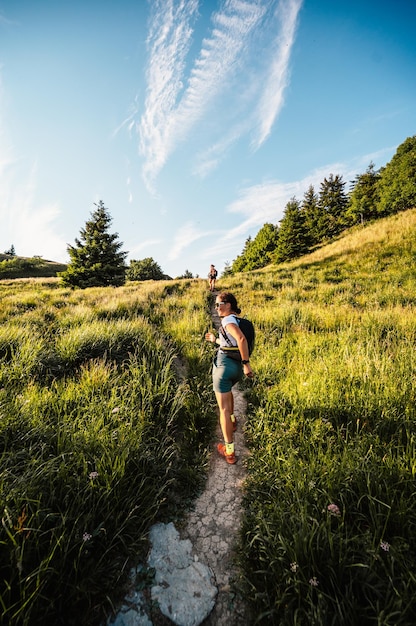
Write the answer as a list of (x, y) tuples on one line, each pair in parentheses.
[(213, 525)]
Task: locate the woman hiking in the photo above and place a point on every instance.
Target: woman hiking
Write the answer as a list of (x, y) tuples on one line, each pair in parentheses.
[(212, 277), (227, 370)]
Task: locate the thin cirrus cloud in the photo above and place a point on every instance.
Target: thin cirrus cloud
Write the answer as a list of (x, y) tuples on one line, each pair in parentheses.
[(26, 225), (184, 237), (266, 202), (149, 243), (29, 227), (277, 79), (169, 40), (177, 101)]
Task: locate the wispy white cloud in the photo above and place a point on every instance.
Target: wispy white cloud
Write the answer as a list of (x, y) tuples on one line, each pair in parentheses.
[(5, 20), (169, 41), (171, 109), (259, 97), (266, 202), (209, 159), (249, 42), (28, 227), (184, 237), (148, 243), (277, 79), (218, 58)]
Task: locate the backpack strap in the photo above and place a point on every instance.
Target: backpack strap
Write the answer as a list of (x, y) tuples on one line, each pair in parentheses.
[(227, 339)]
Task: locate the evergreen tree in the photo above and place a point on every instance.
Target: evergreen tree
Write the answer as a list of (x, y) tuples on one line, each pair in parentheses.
[(261, 248), (258, 251), (398, 180), (186, 274), (364, 197), (145, 269), (313, 215), (264, 245), (11, 251), (227, 271), (95, 259), (293, 237), (333, 202), (240, 262)]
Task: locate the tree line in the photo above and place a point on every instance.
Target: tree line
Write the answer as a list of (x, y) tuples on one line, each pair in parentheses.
[(97, 260), (321, 216)]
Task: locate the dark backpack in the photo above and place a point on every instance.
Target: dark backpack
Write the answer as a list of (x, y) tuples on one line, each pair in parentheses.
[(247, 329)]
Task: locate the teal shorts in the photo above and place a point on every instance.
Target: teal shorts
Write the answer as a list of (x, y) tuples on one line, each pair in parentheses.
[(225, 372)]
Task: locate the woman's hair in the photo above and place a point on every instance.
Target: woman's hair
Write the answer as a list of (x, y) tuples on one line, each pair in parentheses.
[(226, 296)]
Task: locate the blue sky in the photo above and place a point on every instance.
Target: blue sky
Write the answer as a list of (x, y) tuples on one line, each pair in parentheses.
[(194, 121)]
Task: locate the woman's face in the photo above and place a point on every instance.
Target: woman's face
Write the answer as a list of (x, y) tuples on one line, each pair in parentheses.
[(223, 308)]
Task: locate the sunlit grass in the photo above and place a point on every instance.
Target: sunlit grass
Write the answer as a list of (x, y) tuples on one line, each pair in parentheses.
[(99, 437), (107, 409), (333, 423)]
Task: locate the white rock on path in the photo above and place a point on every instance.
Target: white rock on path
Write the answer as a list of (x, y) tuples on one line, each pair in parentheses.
[(184, 589), (133, 613)]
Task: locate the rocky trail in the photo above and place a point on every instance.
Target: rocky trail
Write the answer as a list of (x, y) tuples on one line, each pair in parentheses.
[(196, 576)]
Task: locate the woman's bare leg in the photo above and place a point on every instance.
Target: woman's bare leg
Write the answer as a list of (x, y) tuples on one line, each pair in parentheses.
[(226, 403)]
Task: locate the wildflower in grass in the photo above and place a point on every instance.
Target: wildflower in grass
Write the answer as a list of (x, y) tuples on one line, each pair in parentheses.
[(86, 537), (314, 582), (20, 526), (384, 546), (116, 409), (294, 567), (93, 475), (312, 484), (333, 509)]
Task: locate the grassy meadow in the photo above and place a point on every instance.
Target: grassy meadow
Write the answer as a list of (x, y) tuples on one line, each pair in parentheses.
[(107, 415), (103, 430), (329, 535), (21, 267)]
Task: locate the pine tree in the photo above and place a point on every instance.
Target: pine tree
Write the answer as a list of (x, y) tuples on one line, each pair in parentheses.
[(239, 263), (363, 197), (398, 180), (227, 271), (333, 202), (95, 259), (293, 237), (263, 247), (11, 251), (257, 252), (313, 215)]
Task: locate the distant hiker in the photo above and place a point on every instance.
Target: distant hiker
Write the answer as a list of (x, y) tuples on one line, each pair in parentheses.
[(212, 277), (227, 371)]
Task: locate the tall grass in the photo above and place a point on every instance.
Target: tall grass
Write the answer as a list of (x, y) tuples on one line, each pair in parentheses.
[(330, 506), (106, 411), (101, 433)]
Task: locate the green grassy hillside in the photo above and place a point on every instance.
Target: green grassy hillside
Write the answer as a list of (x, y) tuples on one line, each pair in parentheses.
[(107, 414), (329, 531), (101, 434), (28, 267)]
